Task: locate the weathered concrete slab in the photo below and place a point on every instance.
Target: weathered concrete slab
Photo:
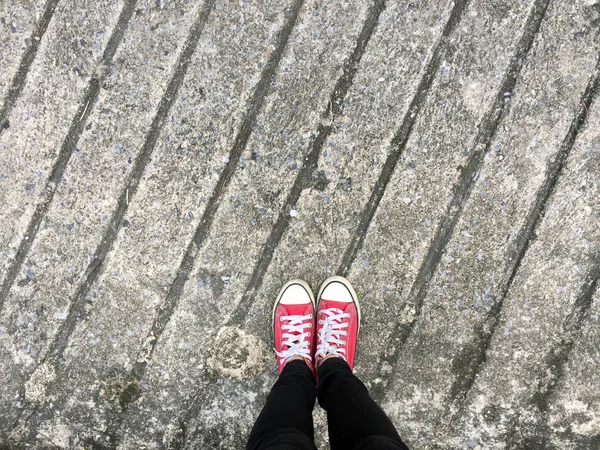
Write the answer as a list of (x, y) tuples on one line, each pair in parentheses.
[(510, 395), (417, 194), (192, 151), (439, 360), (19, 22), (394, 66), (574, 407), (419, 199), (42, 116), (367, 124), (210, 151), (317, 51), (39, 312)]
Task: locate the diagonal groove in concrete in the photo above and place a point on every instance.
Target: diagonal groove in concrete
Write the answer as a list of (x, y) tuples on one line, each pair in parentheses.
[(305, 178), (307, 175), (554, 369), (18, 82), (60, 341), (462, 189), (67, 148), (165, 311), (484, 334), (557, 360), (93, 271), (398, 143)]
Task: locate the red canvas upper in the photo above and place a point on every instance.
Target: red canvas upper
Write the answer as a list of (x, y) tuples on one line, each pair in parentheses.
[(351, 330), (293, 310)]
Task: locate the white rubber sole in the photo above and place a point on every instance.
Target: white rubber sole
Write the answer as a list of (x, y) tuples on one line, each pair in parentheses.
[(302, 283), (346, 283)]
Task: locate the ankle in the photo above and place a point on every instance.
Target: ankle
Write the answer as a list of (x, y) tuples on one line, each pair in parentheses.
[(294, 358), (325, 358)]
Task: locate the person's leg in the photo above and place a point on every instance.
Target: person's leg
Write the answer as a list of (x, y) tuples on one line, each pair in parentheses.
[(286, 419), (355, 420)]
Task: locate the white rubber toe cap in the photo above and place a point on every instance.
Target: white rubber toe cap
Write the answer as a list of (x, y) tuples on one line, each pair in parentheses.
[(336, 291), (295, 294)]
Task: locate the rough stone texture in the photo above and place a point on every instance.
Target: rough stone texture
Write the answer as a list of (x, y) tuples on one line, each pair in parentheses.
[(526, 351), (121, 304), (18, 21), (274, 155), (68, 57), (573, 412), (37, 309), (475, 265), (421, 189), (442, 155)]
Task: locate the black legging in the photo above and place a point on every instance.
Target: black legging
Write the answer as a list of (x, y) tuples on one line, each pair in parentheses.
[(355, 420)]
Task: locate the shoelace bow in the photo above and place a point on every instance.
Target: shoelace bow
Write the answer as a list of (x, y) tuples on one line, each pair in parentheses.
[(331, 332), (296, 339)]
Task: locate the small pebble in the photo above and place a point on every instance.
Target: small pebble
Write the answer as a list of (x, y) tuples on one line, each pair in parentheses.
[(294, 213)]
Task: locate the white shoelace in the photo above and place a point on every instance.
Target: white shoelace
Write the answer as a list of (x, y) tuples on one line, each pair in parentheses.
[(331, 332), (296, 339)]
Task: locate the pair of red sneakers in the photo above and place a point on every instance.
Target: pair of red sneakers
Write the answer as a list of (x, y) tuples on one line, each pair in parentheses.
[(314, 332)]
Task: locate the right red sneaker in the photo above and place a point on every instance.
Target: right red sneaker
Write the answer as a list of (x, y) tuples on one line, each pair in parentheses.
[(338, 320)]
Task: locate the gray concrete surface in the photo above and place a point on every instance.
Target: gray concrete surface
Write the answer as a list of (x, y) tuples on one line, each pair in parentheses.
[(166, 165), (19, 26)]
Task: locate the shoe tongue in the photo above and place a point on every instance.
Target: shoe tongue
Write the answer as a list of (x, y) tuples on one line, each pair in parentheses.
[(334, 304), (296, 310)]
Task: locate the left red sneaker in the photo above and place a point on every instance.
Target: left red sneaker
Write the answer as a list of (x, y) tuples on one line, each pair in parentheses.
[(293, 323)]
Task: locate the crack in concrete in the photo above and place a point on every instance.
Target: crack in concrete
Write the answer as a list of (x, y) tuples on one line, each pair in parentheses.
[(67, 148), (165, 311), (485, 333), (18, 82), (308, 175), (462, 190)]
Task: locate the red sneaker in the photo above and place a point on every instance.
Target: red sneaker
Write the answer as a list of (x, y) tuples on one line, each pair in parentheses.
[(293, 323), (338, 320)]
